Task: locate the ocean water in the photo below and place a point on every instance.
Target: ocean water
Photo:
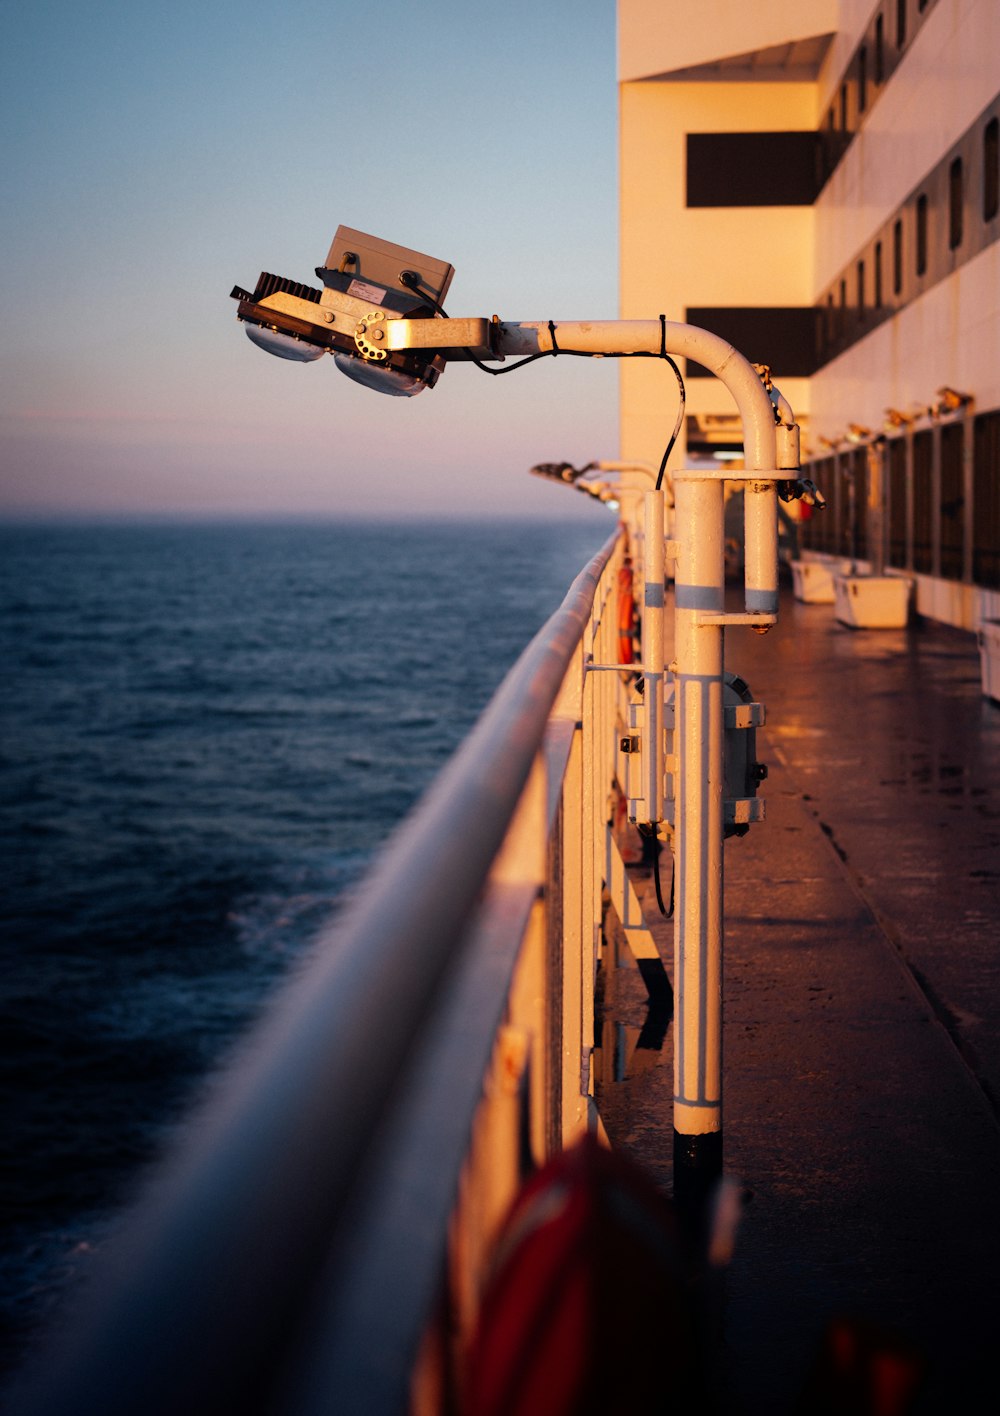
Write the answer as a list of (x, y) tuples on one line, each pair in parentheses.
[(205, 732)]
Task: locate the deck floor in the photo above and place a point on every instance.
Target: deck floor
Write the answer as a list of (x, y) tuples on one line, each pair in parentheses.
[(862, 1042)]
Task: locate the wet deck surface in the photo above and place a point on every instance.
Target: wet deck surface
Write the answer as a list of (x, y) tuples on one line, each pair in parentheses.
[(862, 1044)]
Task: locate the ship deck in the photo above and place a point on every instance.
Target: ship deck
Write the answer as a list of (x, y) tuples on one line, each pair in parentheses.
[(862, 1044)]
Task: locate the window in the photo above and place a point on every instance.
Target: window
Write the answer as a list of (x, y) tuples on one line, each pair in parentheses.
[(843, 108), (986, 501), (955, 197), (831, 325), (900, 23), (862, 79), (842, 321), (991, 169), (879, 50), (922, 234), (923, 500), (877, 273), (897, 257), (897, 501), (859, 528), (952, 501), (861, 290)]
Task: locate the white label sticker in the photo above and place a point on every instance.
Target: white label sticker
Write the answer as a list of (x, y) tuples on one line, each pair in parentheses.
[(361, 290)]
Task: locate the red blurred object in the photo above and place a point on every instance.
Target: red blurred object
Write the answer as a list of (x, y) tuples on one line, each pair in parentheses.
[(589, 1311), (626, 612), (862, 1370)]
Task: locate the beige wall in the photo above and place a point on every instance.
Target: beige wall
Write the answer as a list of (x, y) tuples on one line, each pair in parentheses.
[(947, 77), (673, 258)]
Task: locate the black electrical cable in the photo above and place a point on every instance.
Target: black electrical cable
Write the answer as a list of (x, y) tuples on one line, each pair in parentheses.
[(411, 281), (667, 914), (648, 831)]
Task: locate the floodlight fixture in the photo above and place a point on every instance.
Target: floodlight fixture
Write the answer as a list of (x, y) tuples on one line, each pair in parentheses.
[(367, 284), (952, 400)]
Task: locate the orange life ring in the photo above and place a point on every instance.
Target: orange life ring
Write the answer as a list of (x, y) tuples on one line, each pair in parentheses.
[(626, 612)]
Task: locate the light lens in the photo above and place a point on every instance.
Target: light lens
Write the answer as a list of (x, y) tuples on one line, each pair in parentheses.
[(392, 381), (283, 346)]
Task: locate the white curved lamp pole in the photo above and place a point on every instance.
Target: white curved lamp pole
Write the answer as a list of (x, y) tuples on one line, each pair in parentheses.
[(770, 441)]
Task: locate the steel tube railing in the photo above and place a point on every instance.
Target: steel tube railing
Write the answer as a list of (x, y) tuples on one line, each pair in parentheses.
[(200, 1305)]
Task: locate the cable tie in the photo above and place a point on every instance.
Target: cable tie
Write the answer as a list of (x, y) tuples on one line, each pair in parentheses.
[(663, 336), (552, 335)]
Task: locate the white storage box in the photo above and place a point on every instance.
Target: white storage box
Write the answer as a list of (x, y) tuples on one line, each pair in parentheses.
[(872, 601), (812, 580)]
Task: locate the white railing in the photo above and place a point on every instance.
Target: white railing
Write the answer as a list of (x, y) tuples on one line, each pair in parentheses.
[(352, 1166)]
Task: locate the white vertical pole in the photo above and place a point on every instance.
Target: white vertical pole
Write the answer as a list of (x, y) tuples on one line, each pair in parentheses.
[(698, 740), (652, 653), (760, 519)]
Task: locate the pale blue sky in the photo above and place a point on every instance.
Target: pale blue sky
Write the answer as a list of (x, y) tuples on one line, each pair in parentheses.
[(154, 156)]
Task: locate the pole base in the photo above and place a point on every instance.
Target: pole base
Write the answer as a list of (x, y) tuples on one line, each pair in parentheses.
[(697, 1172)]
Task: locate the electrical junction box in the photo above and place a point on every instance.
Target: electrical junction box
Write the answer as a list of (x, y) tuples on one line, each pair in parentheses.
[(374, 267), (742, 772), (632, 758)]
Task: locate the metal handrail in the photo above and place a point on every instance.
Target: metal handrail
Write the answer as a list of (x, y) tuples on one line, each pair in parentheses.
[(202, 1303)]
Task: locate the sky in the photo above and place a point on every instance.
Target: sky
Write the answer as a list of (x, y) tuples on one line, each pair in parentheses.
[(156, 155)]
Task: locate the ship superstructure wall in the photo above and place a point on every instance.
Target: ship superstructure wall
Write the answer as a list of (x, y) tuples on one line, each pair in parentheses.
[(820, 184)]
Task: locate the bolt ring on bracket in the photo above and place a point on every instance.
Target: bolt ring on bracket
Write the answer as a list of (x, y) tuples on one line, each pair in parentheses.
[(369, 335)]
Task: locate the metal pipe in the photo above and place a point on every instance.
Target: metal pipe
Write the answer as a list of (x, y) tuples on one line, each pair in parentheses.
[(760, 559), (644, 337)]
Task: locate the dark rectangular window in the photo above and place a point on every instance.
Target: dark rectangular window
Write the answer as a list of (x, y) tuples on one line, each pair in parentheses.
[(842, 509), (991, 169), (897, 257), (955, 200), (922, 234), (877, 273), (900, 23), (986, 501), (896, 458), (827, 487), (879, 49), (752, 169), (831, 325), (862, 79), (859, 474), (952, 504), (843, 108), (861, 290), (923, 501), (782, 336)]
